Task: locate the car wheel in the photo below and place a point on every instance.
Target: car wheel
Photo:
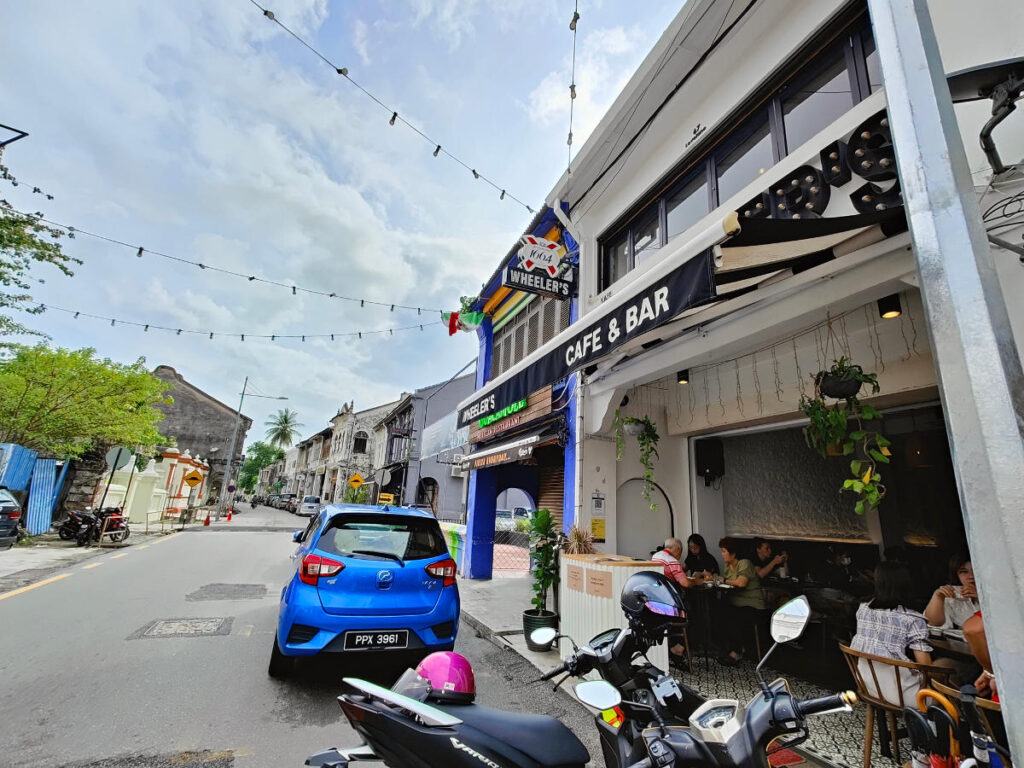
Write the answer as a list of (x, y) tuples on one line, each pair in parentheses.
[(280, 666)]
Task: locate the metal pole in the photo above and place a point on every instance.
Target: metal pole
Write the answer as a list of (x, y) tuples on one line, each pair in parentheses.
[(976, 359), (231, 452)]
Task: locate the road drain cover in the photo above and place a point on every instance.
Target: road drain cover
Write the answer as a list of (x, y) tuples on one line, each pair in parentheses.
[(229, 592), (203, 627)]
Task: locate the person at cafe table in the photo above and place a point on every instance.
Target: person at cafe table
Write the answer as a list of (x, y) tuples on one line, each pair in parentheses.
[(668, 556), (764, 561), (951, 606), (699, 560), (743, 604)]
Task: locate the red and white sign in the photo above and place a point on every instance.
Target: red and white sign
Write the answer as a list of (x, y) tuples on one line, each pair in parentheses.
[(540, 253)]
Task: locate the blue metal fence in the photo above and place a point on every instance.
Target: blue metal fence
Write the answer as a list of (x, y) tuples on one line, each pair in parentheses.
[(16, 464), (40, 498)]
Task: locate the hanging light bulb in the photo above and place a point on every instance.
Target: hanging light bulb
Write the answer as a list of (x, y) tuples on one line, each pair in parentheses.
[(502, 195), (360, 334), (572, 90), (575, 18), (343, 71), (394, 116), (77, 314), (145, 327), (890, 307), (303, 338), (178, 333), (251, 278), (211, 335), (417, 310), (391, 331), (332, 337), (392, 307), (112, 323), (569, 140), (293, 290), (362, 302), (269, 14), (273, 337), (243, 337), (475, 174), (437, 150)]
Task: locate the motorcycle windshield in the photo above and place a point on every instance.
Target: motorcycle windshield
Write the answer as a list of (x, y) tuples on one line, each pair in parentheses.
[(412, 685)]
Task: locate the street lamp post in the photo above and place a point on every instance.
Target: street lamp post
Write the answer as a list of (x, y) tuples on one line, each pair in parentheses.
[(234, 440)]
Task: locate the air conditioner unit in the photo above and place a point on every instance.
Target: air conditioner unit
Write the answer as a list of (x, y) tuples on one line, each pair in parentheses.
[(457, 470)]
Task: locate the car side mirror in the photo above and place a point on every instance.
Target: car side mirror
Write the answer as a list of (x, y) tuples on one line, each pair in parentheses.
[(297, 537)]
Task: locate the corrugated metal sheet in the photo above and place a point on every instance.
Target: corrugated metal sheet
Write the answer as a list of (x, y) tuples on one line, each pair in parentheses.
[(40, 497), (16, 465)]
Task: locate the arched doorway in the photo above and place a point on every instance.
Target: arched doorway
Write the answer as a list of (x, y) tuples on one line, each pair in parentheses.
[(515, 506), (639, 531), (427, 495)]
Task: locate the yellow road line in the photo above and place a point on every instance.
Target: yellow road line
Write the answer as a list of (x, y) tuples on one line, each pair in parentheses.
[(91, 565), (42, 583), (165, 538), (144, 546), (114, 557)]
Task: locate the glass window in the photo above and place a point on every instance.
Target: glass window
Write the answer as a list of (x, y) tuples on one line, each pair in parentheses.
[(746, 161), (359, 444), (383, 536), (808, 105), (646, 235), (687, 205), (871, 59), (615, 262)]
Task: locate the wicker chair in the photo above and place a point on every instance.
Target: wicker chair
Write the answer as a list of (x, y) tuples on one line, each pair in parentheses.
[(887, 685)]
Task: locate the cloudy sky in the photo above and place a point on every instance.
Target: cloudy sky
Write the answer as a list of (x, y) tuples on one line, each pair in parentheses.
[(202, 130)]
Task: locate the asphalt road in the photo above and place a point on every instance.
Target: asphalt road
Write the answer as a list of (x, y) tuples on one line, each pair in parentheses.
[(79, 687)]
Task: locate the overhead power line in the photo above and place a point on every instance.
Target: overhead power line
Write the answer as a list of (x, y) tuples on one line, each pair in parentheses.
[(117, 322), (141, 251), (393, 116)]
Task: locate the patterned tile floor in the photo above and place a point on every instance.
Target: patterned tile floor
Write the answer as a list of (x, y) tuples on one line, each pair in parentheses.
[(839, 738)]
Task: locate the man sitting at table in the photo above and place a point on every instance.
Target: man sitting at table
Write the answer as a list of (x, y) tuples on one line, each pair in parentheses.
[(764, 562), (668, 556)]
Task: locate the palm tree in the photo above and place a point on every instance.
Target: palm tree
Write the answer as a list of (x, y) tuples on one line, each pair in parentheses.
[(284, 428)]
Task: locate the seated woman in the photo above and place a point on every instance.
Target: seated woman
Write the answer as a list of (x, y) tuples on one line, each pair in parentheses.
[(698, 559), (950, 605), (743, 602), (764, 560), (887, 627)]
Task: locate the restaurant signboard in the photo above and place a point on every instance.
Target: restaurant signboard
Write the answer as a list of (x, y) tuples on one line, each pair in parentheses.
[(519, 413), (538, 268), (517, 450)]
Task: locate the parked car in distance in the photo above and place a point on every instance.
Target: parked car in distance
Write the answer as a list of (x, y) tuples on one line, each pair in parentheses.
[(309, 505), (506, 519), (369, 578), (10, 517), (283, 499), (271, 499)]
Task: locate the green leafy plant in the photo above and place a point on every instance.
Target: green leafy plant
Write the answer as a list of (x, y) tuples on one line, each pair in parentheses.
[(354, 495), (522, 526), (543, 551), (647, 438), (828, 431)]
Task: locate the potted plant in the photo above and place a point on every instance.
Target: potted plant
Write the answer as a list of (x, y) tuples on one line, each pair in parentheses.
[(544, 568), (829, 429), (579, 541), (646, 435)]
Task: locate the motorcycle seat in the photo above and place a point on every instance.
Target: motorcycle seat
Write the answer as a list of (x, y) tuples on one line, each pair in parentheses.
[(540, 737)]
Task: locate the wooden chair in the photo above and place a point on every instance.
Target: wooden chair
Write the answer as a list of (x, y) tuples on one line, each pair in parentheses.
[(985, 706), (887, 685)]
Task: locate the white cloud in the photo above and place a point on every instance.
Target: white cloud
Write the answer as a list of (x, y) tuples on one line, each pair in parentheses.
[(361, 40)]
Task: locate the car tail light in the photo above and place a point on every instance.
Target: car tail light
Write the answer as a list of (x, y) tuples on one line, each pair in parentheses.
[(443, 569), (315, 566), (14, 515)]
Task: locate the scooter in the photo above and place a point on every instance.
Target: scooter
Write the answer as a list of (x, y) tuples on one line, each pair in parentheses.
[(70, 528), (403, 730), (110, 522)]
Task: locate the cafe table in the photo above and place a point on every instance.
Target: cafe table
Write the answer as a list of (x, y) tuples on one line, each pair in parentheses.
[(704, 593)]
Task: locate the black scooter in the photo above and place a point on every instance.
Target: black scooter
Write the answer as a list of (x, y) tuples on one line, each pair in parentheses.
[(403, 730)]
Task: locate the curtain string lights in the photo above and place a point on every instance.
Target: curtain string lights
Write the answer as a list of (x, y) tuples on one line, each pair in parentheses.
[(6, 175), (295, 289), (394, 116), (114, 322), (572, 82)]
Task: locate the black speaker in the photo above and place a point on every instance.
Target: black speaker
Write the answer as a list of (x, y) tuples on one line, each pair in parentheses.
[(710, 459)]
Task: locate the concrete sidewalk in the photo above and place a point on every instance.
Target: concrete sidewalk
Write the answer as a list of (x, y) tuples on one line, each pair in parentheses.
[(494, 607)]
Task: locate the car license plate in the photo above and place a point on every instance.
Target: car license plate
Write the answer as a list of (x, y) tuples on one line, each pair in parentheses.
[(376, 640)]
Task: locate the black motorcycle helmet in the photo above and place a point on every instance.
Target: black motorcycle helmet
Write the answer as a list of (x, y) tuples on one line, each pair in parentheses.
[(653, 604)]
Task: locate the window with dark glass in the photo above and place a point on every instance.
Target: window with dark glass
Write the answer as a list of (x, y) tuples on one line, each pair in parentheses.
[(747, 160), (359, 444), (871, 62), (686, 206), (615, 260), (811, 103), (646, 235)]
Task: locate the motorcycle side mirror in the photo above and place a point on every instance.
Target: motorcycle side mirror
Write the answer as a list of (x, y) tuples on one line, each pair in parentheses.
[(790, 620), (598, 694), (297, 536), (543, 636)]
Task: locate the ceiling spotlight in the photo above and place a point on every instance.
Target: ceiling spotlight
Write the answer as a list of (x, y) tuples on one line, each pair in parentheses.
[(575, 18), (437, 150), (394, 116), (889, 306), (683, 377)]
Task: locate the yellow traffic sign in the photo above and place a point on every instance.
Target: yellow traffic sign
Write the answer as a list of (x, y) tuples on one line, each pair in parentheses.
[(193, 478), (356, 480), (386, 498)]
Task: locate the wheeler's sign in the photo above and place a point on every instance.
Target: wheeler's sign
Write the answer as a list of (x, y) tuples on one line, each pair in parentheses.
[(689, 284), (536, 269), (521, 280)]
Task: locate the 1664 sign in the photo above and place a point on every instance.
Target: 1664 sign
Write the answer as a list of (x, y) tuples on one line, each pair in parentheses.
[(535, 269)]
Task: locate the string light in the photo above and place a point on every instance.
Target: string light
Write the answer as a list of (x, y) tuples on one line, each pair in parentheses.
[(502, 195), (139, 254), (6, 175), (118, 322), (572, 24), (572, 85), (394, 113), (251, 278), (475, 174), (437, 150)]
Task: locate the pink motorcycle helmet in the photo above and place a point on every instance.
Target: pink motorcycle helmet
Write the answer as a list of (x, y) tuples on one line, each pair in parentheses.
[(450, 676)]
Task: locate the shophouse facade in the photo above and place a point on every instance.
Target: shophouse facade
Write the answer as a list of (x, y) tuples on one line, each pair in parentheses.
[(352, 451), (739, 221)]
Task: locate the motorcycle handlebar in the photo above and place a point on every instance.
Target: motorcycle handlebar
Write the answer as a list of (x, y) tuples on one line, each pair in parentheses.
[(826, 703), (563, 667)]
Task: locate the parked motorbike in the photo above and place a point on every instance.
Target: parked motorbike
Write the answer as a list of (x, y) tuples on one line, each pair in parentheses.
[(73, 525), (638, 715), (252, 504), (88, 525), (110, 522)]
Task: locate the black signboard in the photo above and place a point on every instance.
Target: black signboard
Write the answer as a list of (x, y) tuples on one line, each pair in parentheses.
[(636, 314), (538, 281)]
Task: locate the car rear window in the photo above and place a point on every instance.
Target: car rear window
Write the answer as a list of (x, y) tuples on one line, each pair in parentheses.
[(410, 538), (311, 500)]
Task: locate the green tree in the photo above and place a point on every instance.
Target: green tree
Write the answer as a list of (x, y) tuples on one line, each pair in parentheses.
[(354, 495), (283, 428), (65, 401), (25, 241), (257, 456)]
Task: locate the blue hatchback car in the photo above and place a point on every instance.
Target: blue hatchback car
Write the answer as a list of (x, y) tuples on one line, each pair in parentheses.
[(367, 579)]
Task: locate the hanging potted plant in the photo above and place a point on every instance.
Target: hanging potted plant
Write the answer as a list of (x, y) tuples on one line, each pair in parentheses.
[(544, 569), (829, 429), (646, 435)]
